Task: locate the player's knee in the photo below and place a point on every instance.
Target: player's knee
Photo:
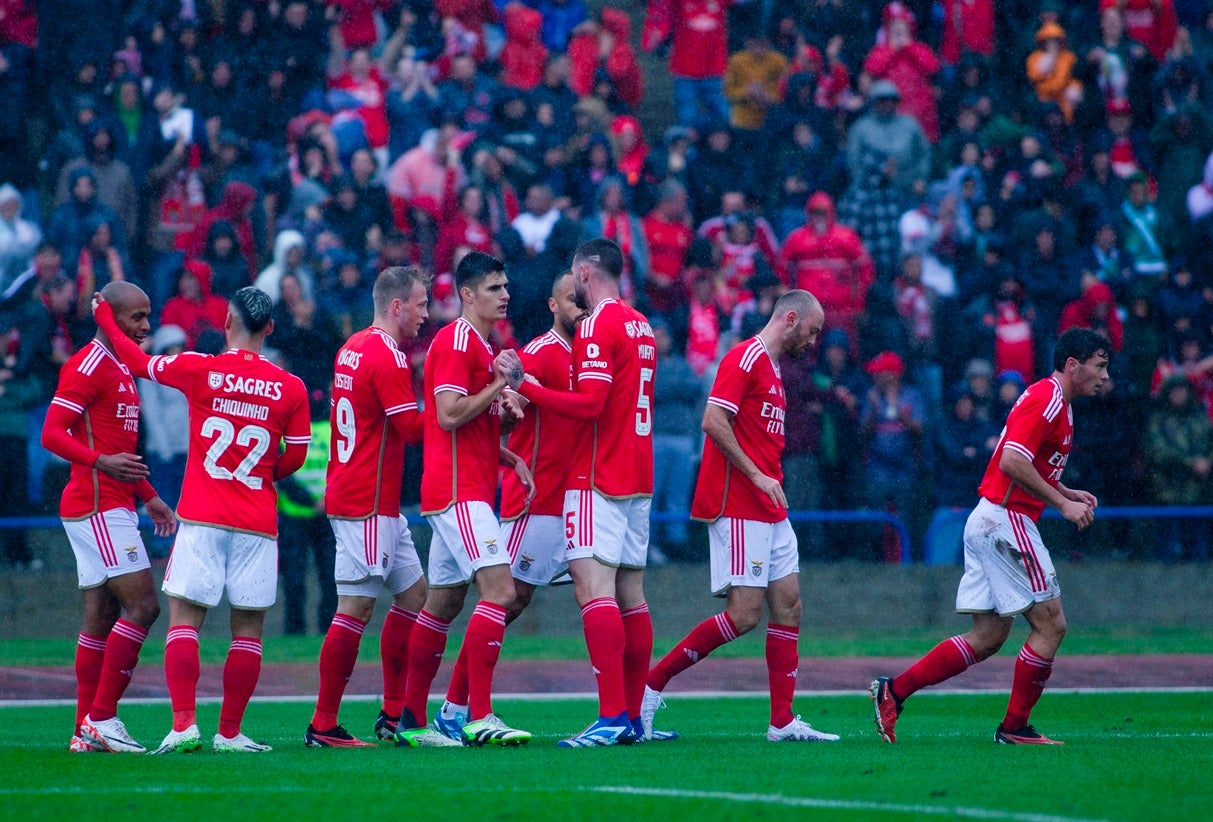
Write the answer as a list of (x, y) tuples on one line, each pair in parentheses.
[(144, 611), (521, 600), (745, 619)]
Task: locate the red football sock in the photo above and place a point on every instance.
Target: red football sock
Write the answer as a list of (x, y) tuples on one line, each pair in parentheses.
[(486, 630), (457, 688), (90, 654), (944, 661), (783, 661), (121, 655), (704, 638), (1031, 673), (637, 654), (394, 651), (605, 641), (240, 674), (426, 645), (181, 670), (337, 657)]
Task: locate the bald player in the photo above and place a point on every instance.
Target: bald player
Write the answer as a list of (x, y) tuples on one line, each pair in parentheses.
[(93, 423)]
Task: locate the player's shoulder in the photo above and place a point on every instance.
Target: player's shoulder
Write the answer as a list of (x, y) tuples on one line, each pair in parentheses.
[(379, 349), (545, 344), (1044, 397), (84, 361)]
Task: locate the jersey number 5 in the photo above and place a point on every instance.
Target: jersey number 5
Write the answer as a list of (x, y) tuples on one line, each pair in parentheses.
[(253, 437), (644, 406)]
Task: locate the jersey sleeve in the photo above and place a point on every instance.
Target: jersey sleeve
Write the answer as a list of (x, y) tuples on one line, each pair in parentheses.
[(451, 372), (585, 402), (71, 398), (177, 370), (297, 435), (729, 386), (393, 380), (128, 352), (1026, 426)]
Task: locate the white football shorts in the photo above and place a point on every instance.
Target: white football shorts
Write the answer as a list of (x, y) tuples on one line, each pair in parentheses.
[(746, 553), (373, 555), (535, 543), (613, 531), (206, 562), (1007, 567), (106, 545), (467, 537)]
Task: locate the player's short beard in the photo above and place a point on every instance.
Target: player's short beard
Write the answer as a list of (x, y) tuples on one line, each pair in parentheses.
[(569, 327)]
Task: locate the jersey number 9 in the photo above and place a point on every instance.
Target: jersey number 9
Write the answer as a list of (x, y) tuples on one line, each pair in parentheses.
[(346, 431)]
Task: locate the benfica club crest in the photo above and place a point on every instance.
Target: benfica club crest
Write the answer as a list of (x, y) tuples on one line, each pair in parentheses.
[(214, 380)]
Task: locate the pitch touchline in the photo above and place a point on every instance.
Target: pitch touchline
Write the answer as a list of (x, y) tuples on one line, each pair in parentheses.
[(835, 804), (591, 695)]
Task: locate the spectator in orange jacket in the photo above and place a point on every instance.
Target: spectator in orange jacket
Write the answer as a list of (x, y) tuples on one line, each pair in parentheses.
[(1051, 70), (829, 260)]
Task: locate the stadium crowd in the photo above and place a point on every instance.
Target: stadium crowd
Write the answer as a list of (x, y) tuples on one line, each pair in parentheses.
[(957, 181)]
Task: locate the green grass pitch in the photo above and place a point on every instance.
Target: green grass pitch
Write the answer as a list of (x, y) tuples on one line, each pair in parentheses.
[(1128, 756)]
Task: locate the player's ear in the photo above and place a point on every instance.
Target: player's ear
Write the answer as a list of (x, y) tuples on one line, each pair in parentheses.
[(269, 328)]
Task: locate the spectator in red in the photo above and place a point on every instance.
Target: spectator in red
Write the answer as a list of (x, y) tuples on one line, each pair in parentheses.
[(1150, 22), (830, 261), (362, 80), (833, 77), (421, 180), (462, 226), (358, 20), (630, 147), (909, 65), (667, 232), (234, 208), (705, 322), (193, 307), (606, 46), (472, 15), (968, 26), (734, 201), (523, 57), (699, 55), (1096, 308)]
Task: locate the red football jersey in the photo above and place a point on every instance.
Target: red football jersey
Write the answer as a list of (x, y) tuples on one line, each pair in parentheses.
[(543, 438), (1040, 427), (374, 415), (460, 465), (748, 385), (615, 345), (242, 409), (97, 405)]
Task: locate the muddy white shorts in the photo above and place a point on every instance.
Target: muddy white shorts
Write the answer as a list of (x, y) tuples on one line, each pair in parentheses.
[(613, 531), (207, 562), (1007, 567), (373, 555), (535, 543), (467, 537), (106, 545), (746, 553)]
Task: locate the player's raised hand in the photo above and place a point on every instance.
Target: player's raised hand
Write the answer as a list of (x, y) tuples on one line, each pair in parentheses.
[(1087, 497), (511, 409), (1078, 512), (508, 366), (122, 467), (164, 521), (771, 487), (97, 300)]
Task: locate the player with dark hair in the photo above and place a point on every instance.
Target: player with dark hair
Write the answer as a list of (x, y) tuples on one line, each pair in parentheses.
[(462, 429), (1008, 570), (754, 553), (609, 488), (374, 415), (533, 531), (242, 409), (93, 423)]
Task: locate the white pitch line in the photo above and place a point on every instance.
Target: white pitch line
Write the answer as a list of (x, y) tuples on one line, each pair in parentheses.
[(591, 695), (836, 804), (225, 789)]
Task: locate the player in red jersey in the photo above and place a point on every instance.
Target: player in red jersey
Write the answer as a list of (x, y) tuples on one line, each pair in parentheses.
[(609, 488), (242, 409), (93, 423), (374, 415), (1008, 571), (533, 532), (458, 485), (754, 553)]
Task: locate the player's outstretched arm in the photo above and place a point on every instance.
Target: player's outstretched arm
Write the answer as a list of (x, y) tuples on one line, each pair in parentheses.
[(408, 426), (718, 425), (57, 438), (164, 521), (129, 353), (584, 403)]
